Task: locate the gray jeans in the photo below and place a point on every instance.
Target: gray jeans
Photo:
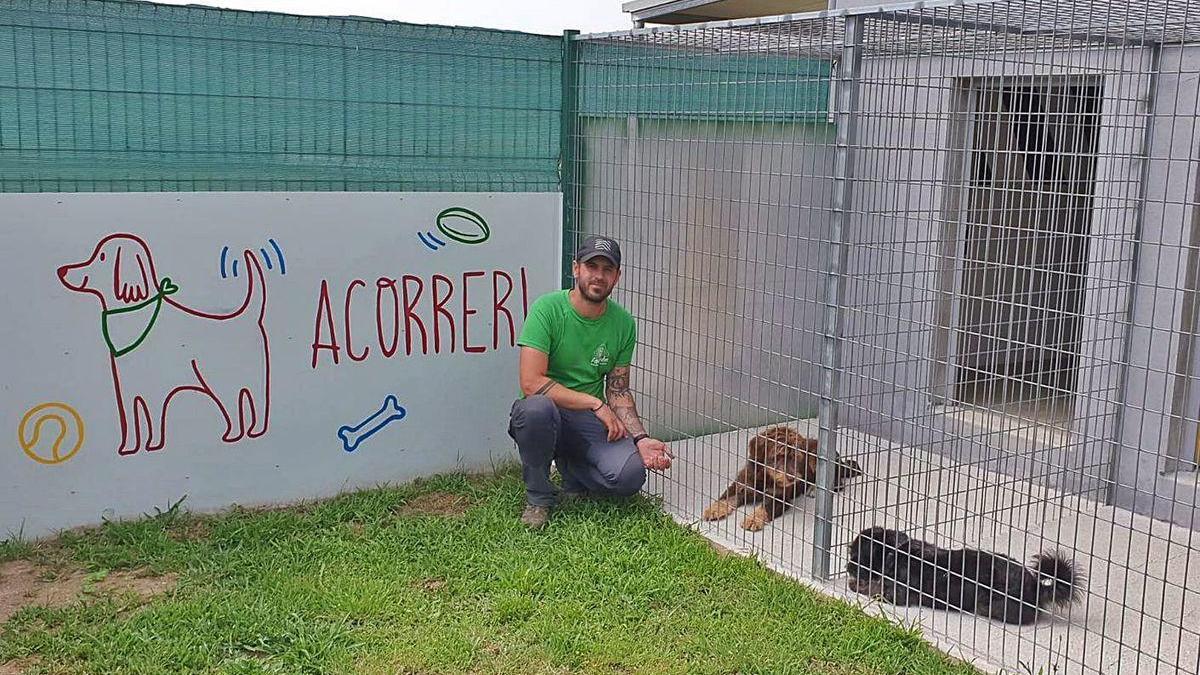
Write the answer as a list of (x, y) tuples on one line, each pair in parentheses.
[(578, 443)]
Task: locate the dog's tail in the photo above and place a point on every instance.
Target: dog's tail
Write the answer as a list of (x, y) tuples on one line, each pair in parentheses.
[(256, 287), (1057, 574)]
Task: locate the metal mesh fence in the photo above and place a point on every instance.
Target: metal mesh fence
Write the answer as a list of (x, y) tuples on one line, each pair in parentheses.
[(108, 95), (954, 243)]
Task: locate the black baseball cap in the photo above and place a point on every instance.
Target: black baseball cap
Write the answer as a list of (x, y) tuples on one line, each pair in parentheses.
[(599, 246)]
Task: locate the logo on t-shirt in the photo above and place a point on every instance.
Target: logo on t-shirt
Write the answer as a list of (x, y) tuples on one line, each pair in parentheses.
[(600, 359)]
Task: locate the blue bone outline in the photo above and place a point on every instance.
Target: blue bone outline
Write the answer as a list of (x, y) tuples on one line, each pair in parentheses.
[(397, 413)]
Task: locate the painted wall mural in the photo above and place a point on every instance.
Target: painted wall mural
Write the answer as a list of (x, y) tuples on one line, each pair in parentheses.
[(56, 446), (133, 302), (265, 377), (353, 436), (458, 224)]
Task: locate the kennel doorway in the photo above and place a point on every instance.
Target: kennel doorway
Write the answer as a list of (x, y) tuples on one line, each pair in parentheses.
[(1029, 174)]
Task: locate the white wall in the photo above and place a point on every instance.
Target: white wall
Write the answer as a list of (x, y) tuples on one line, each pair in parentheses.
[(903, 215), (1158, 387), (341, 253), (720, 225), (904, 219)]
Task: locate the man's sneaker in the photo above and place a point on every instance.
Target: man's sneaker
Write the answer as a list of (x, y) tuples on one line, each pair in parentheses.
[(534, 517)]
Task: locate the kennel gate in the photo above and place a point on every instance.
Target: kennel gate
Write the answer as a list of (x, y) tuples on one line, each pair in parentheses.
[(956, 241)]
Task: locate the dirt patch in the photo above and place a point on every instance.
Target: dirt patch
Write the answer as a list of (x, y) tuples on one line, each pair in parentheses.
[(24, 584), (139, 583), (195, 530), (443, 504), (18, 666), (431, 585)]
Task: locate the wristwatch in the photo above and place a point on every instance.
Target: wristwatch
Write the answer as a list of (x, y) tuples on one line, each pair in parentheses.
[(637, 439)]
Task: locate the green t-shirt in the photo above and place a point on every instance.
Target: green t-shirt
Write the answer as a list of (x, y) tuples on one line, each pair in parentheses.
[(581, 351)]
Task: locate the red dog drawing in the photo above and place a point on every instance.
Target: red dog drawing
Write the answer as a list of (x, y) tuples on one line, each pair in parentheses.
[(159, 347)]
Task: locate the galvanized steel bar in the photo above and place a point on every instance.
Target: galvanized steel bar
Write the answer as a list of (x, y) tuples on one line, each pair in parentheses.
[(834, 282)]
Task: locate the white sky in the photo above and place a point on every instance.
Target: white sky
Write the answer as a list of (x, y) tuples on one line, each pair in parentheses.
[(532, 16)]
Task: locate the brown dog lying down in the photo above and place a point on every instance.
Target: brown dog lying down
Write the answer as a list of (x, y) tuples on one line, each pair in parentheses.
[(782, 465)]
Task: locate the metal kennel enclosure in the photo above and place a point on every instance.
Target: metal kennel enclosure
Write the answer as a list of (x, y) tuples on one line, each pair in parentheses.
[(955, 241)]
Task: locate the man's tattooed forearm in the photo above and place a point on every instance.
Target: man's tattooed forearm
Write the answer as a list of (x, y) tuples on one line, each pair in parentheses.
[(629, 417), (546, 387), (618, 384)]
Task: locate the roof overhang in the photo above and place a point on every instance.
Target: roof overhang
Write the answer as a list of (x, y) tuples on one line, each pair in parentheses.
[(695, 11)]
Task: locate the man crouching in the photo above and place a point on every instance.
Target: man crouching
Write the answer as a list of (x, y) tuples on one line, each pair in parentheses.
[(575, 406)]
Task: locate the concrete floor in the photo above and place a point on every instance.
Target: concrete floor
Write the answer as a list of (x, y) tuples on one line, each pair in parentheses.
[(1136, 617)]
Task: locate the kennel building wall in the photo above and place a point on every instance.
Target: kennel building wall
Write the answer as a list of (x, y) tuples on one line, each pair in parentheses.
[(732, 213), (1125, 433), (702, 164), (1125, 436), (402, 214)]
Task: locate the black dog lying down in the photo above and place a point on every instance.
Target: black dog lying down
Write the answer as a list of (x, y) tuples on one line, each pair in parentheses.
[(905, 571)]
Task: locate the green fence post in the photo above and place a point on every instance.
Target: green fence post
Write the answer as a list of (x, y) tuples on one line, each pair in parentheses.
[(566, 152)]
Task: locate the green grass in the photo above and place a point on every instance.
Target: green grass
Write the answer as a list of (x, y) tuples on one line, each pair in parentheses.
[(360, 584)]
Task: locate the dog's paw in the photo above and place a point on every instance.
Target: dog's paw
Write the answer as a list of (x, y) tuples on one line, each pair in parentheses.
[(717, 510), (757, 520)]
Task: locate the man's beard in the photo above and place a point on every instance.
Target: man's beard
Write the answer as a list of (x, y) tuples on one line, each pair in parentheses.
[(589, 296)]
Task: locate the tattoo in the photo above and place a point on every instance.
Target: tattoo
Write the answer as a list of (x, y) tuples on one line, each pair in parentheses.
[(627, 413), (618, 382), (550, 384), (620, 399)]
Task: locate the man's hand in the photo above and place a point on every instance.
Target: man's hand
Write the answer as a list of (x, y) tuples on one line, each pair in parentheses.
[(616, 429), (655, 454)]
